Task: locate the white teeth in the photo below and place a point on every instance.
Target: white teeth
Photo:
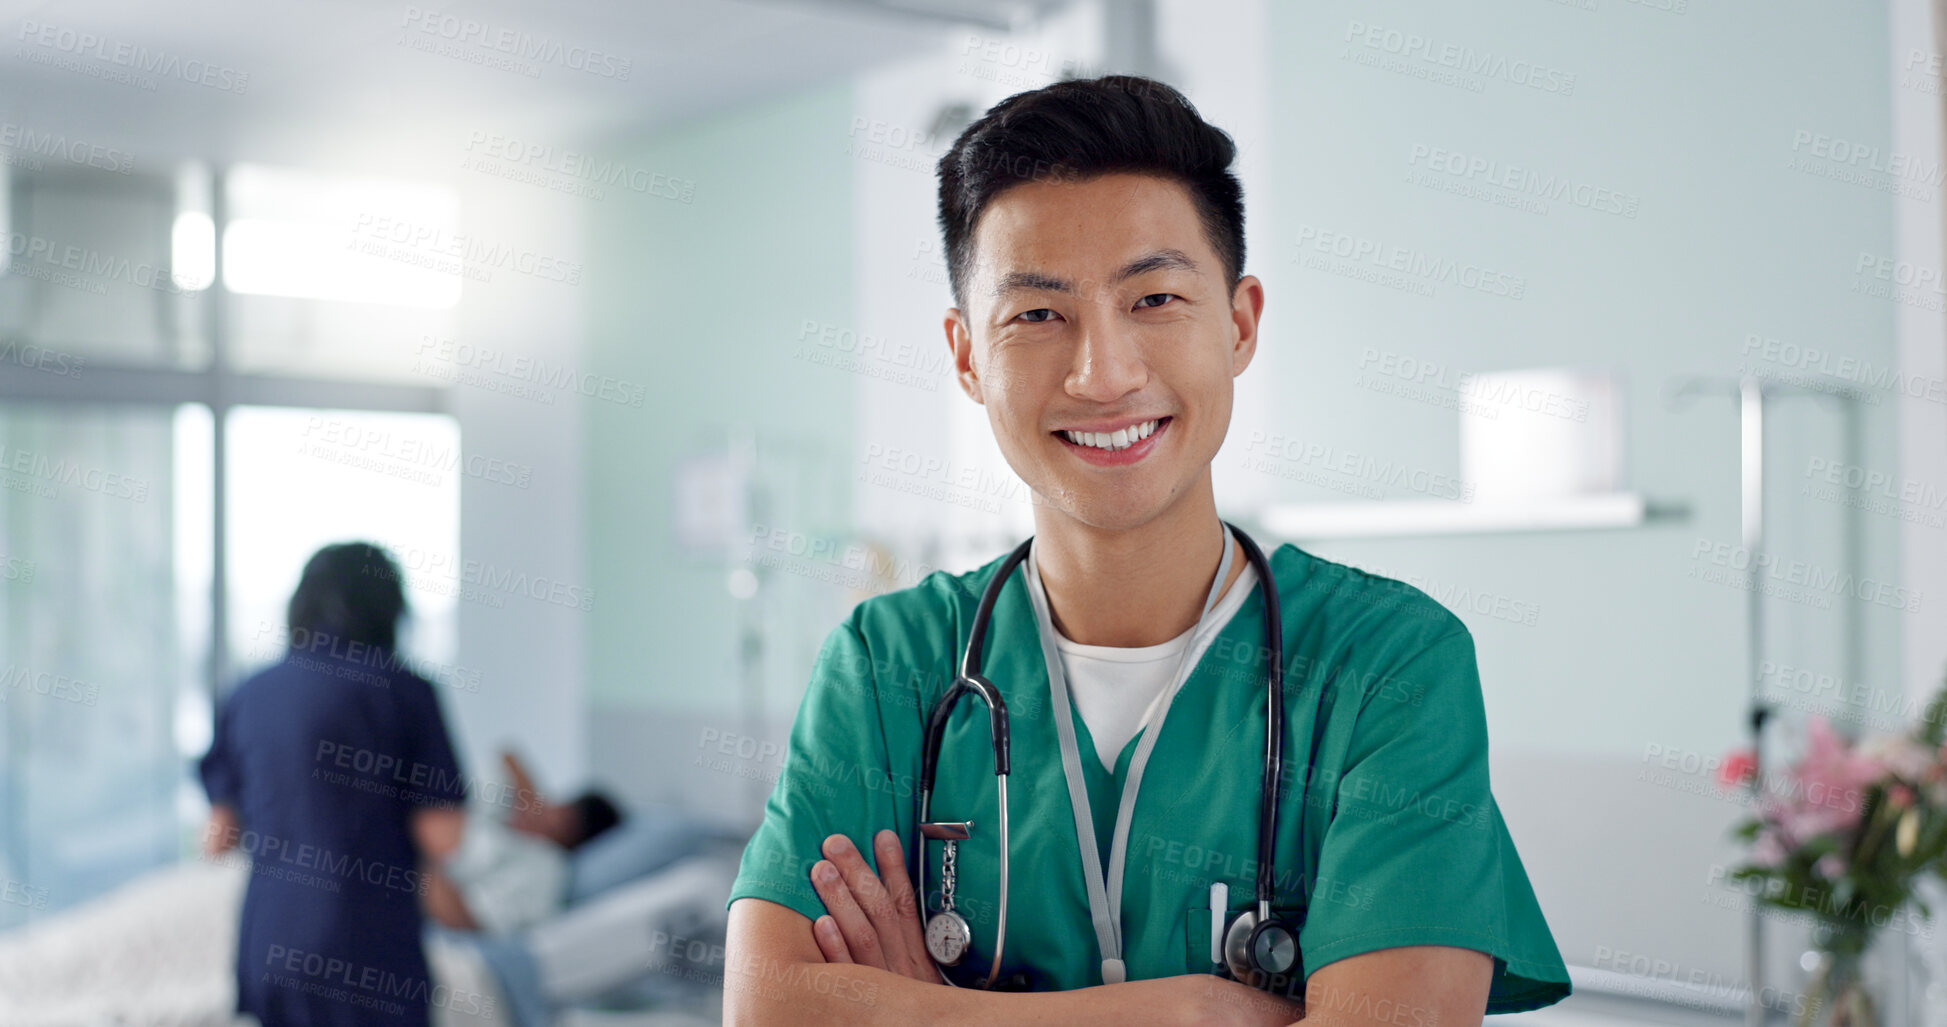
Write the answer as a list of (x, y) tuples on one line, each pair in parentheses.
[(1119, 439)]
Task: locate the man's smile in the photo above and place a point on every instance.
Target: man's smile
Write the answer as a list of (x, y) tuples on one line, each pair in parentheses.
[(1122, 443)]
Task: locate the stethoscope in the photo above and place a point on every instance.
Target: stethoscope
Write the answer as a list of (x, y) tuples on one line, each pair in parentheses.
[(1258, 947)]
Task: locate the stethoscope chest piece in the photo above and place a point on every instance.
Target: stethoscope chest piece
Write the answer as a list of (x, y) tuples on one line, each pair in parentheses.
[(1260, 953)]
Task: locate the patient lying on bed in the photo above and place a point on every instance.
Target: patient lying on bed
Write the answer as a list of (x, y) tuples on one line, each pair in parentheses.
[(510, 873)]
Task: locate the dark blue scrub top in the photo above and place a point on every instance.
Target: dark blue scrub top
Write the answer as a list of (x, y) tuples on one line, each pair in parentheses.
[(325, 756)]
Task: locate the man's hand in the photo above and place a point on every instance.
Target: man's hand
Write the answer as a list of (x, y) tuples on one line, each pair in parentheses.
[(220, 834), (873, 919)]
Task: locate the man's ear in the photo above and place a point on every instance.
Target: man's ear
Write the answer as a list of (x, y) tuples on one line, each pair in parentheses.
[(959, 341), (1246, 310)]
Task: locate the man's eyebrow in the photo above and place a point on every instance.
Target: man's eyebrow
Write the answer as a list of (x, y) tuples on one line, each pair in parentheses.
[(1161, 260)]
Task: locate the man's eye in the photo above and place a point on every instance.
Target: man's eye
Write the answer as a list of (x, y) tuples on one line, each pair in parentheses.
[(1155, 296), (1038, 310)]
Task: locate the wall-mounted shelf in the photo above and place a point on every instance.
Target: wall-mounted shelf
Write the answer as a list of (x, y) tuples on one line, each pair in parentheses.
[(1406, 518)]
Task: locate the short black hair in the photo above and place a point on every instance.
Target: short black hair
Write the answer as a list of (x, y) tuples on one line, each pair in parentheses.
[(1080, 128), (349, 592), (594, 813)]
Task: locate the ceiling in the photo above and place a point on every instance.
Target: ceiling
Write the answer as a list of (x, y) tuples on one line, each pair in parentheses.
[(351, 85)]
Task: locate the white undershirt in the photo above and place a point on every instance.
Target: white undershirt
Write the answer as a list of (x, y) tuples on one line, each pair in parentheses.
[(1115, 689)]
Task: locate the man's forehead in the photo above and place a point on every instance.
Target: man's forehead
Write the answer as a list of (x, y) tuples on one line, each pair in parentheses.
[(1061, 230)]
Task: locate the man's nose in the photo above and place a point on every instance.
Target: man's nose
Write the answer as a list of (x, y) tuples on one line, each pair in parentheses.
[(1108, 365)]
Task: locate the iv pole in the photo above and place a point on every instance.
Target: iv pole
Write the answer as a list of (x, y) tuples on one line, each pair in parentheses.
[(1750, 392)]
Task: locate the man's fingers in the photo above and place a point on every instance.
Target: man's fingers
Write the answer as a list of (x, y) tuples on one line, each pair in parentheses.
[(831, 941), (871, 895), (899, 884), (860, 939), (892, 868)]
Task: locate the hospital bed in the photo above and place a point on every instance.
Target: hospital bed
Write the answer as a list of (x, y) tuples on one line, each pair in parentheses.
[(634, 952)]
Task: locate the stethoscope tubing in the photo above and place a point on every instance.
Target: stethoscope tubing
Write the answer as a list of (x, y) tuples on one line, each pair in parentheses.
[(969, 679)]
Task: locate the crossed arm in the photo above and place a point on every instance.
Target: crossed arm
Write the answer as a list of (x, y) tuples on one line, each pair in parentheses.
[(865, 962)]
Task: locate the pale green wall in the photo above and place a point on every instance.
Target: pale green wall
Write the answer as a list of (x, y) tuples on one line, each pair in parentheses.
[(1696, 113), (703, 303)]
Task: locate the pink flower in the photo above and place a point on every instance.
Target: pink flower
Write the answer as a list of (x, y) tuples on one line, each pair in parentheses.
[(1903, 757), (1831, 782), (1900, 796), (1737, 768), (1830, 866)]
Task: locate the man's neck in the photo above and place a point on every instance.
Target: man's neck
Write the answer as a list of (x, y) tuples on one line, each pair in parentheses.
[(1138, 587)]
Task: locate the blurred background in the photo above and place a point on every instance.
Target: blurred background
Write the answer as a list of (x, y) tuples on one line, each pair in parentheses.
[(1614, 325)]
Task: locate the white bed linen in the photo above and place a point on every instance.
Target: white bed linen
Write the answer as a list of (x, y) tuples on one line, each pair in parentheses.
[(159, 951)]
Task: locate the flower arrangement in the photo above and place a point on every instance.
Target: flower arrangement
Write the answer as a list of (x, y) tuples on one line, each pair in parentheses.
[(1843, 835)]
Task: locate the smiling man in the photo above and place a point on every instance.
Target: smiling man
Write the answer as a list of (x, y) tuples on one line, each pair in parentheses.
[(1094, 235)]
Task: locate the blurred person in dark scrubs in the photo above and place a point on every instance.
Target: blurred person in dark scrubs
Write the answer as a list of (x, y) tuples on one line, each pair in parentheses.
[(333, 771)]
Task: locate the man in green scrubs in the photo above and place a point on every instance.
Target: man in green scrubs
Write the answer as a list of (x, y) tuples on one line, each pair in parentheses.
[(1094, 235)]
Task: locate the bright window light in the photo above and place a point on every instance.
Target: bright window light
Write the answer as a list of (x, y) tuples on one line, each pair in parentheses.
[(359, 240), (192, 260), (300, 479)]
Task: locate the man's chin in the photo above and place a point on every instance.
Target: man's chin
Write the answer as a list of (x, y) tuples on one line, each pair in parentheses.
[(1107, 509)]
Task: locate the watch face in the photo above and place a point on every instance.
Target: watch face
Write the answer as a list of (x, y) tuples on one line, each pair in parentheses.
[(947, 938)]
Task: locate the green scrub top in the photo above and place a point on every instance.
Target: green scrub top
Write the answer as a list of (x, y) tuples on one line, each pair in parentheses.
[(1403, 845)]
